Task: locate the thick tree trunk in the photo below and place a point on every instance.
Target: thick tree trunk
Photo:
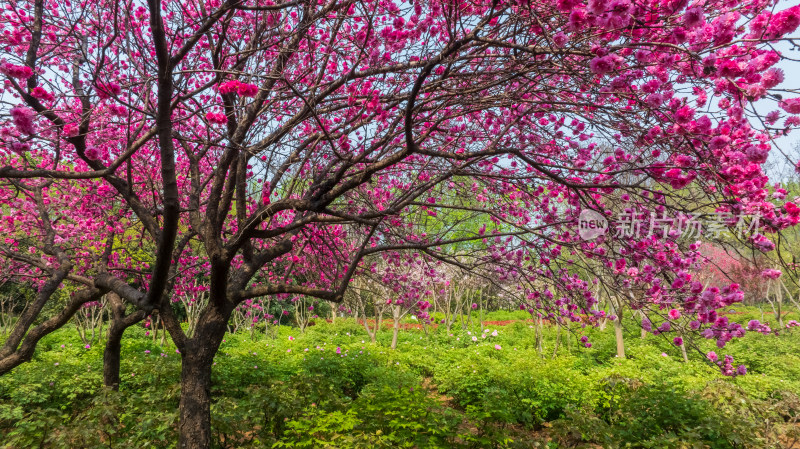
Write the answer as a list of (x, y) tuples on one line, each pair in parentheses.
[(111, 354), (111, 357), (195, 404), (198, 357)]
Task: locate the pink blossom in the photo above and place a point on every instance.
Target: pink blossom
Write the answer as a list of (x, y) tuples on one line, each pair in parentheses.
[(771, 273), (772, 117), (602, 65), (678, 341), (41, 94), (654, 100), (684, 114), (719, 142), (674, 314), (16, 71), (786, 21), (772, 78), (566, 5), (762, 243), (498, 347), (791, 105), (107, 90), (247, 90), (693, 17), (228, 86), (560, 39), (219, 119), (24, 119), (92, 153)]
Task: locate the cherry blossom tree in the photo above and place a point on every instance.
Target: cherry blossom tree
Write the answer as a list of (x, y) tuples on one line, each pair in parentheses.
[(264, 148)]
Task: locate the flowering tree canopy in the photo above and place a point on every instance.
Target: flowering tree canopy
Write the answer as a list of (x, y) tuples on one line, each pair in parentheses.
[(247, 148)]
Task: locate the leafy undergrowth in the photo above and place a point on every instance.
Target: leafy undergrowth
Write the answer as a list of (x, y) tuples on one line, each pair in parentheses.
[(437, 390)]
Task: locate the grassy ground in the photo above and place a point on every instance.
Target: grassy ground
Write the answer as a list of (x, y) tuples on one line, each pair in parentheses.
[(331, 388)]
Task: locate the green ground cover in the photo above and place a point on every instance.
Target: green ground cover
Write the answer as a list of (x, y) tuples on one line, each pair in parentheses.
[(330, 388)]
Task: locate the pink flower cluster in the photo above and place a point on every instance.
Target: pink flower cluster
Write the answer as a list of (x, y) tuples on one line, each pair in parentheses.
[(791, 105), (243, 89), (107, 90), (42, 94), (16, 71), (727, 365), (24, 119), (219, 119)]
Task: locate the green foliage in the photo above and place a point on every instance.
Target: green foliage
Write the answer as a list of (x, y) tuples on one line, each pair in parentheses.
[(437, 390), (660, 416)]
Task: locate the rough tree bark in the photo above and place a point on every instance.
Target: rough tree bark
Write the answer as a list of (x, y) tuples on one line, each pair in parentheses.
[(113, 349), (197, 359)]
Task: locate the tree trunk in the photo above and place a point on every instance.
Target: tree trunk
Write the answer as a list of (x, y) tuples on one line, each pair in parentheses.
[(111, 357), (396, 329), (618, 330), (779, 294), (378, 321), (363, 314), (195, 404), (480, 304), (539, 335), (643, 317), (558, 339), (789, 294), (111, 354), (569, 339), (198, 357), (603, 321)]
